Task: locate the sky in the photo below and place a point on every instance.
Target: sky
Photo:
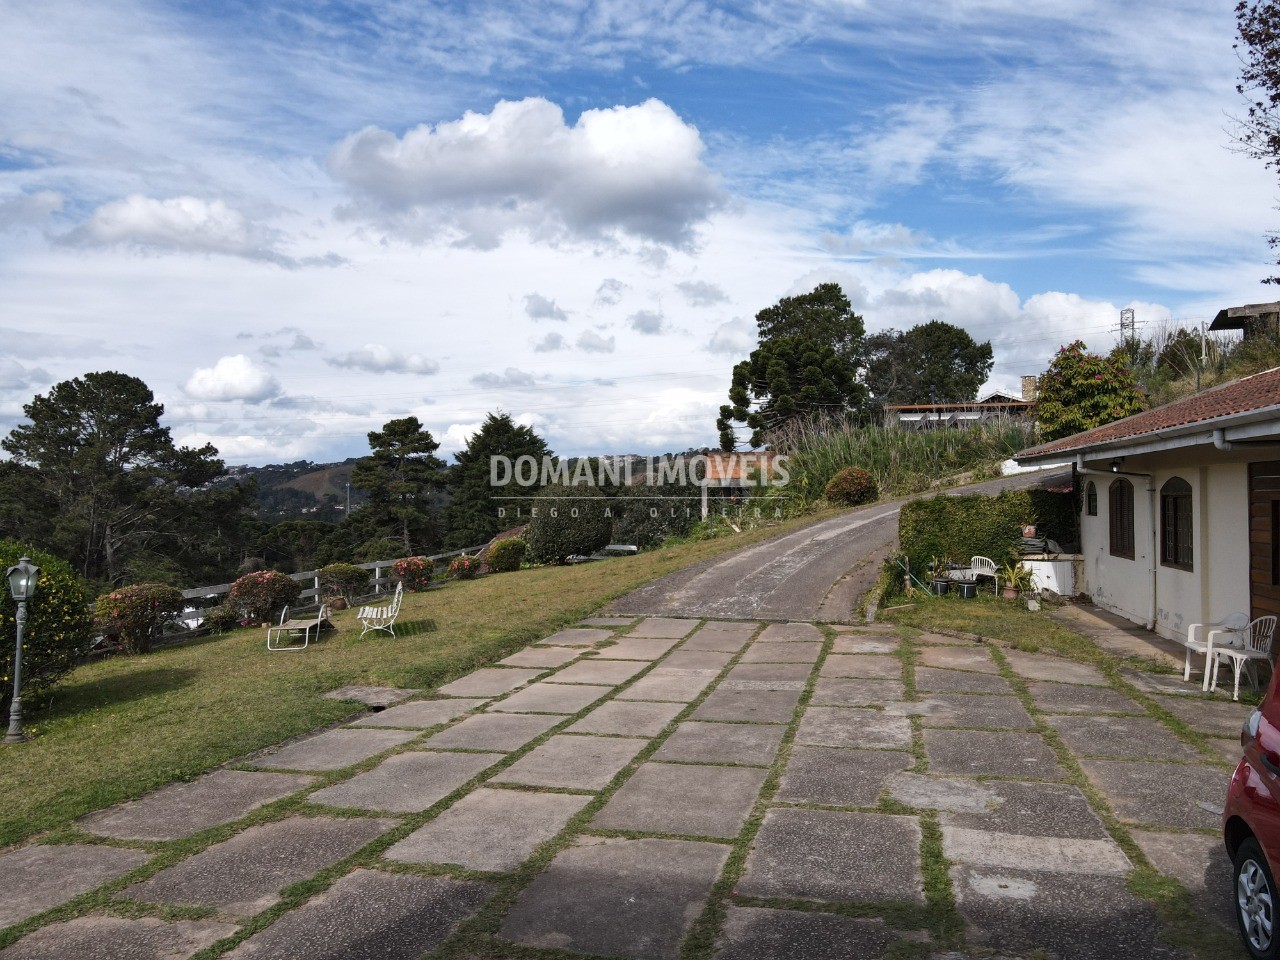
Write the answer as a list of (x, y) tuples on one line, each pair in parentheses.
[(296, 221)]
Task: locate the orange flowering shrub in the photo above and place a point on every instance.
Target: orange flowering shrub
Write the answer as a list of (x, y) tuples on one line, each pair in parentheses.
[(137, 615), (261, 595), (414, 572)]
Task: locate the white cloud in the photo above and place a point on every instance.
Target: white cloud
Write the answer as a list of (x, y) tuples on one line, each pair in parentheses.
[(232, 378), (734, 338), (29, 210), (376, 358), (648, 322), (15, 376), (539, 307), (511, 377), (634, 170), (610, 291), (593, 342), (550, 343), (458, 435), (700, 293)]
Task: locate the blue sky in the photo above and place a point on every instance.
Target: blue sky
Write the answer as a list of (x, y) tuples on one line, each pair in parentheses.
[(296, 221)]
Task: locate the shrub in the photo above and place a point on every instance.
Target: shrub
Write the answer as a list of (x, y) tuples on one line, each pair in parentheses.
[(646, 516), (568, 521), (136, 616), (59, 627), (464, 568), (221, 618), (506, 555), (260, 596), (852, 487), (345, 580), (414, 572)]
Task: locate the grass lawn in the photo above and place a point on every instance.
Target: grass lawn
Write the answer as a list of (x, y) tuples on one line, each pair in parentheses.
[(119, 727)]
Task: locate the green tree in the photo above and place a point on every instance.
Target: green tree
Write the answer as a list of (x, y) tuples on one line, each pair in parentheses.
[(932, 361), (292, 545), (1082, 390), (823, 315), (1258, 132), (128, 501), (472, 516), (403, 478)]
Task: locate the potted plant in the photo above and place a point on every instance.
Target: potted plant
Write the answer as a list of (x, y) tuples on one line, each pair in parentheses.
[(1016, 578), (941, 582), (1029, 525)]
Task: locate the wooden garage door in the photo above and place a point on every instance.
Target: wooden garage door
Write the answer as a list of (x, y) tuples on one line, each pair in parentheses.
[(1264, 538)]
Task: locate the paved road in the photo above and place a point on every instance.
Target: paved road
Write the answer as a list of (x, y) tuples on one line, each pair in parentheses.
[(817, 573)]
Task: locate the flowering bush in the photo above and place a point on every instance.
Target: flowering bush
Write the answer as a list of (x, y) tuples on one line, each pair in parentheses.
[(505, 555), (221, 618), (1082, 390), (260, 596), (852, 486), (414, 572), (137, 615), (464, 568), (345, 580), (58, 624)]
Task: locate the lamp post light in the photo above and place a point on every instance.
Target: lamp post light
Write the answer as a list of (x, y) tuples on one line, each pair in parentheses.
[(22, 587)]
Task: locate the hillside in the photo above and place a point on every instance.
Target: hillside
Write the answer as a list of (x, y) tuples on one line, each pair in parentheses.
[(302, 489)]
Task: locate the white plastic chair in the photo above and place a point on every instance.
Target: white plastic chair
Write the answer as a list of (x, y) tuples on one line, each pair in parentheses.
[(277, 636), (382, 617), (1232, 625), (1256, 646), (984, 567)]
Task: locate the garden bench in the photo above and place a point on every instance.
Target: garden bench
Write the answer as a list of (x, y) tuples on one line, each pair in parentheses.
[(279, 635), (382, 616)]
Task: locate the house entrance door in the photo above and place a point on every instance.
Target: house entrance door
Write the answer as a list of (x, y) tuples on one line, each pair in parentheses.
[(1264, 538)]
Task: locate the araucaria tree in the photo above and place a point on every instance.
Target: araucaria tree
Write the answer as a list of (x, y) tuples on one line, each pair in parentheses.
[(472, 517), (933, 362), (810, 352), (403, 477), (1258, 132), (1082, 390), (128, 503)]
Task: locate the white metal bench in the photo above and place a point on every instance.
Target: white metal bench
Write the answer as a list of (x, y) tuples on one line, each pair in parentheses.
[(382, 616), (287, 629)]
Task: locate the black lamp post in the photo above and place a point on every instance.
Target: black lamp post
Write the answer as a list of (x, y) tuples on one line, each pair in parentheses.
[(22, 586)]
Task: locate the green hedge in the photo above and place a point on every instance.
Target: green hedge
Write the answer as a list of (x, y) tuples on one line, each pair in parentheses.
[(980, 525)]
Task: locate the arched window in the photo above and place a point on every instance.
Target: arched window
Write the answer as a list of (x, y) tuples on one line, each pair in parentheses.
[(1175, 524), (1120, 507), (1091, 499)]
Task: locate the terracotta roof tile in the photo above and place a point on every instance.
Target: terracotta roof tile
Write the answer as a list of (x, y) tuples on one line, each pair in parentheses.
[(1240, 396)]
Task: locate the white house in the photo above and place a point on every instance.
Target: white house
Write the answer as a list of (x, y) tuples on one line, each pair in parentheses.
[(1180, 507)]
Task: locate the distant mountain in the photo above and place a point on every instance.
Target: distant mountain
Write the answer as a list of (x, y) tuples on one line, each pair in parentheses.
[(302, 490)]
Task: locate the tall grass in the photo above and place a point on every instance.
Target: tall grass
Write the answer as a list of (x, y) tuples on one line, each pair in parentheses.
[(902, 461)]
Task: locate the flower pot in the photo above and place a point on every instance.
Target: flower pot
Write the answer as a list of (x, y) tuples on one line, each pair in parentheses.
[(1010, 593), (941, 586), (1029, 530), (337, 603), (968, 589)]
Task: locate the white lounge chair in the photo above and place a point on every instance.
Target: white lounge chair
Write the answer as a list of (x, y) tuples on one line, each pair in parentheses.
[(984, 567), (382, 616), (1218, 633), (1256, 647), (288, 629)]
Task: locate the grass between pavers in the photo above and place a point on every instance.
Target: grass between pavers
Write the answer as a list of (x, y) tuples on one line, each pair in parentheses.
[(118, 728)]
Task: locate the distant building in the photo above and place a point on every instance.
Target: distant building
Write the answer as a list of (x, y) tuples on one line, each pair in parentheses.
[(941, 416), (1254, 319)]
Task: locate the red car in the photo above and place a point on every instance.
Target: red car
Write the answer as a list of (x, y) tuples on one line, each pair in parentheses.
[(1251, 827)]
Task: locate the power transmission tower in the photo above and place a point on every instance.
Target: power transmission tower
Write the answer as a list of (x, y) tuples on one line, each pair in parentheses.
[(1128, 325)]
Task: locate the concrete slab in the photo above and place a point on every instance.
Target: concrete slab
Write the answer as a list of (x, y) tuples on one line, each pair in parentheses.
[(1075, 698), (748, 744), (724, 637), (1200, 864), (607, 672), (853, 727), (1007, 851), (493, 830), (607, 622), (41, 877), (799, 651), (493, 732), (407, 782), (489, 682), (942, 640), (582, 763), (1228, 748), (369, 913), (101, 937), (753, 933), (629, 898), (333, 749), (976, 753), (839, 778), (420, 714), (243, 876), (974, 658), (683, 799), (807, 854), (1033, 810), (370, 696), (634, 718), (1161, 794), (987, 711), (791, 633), (695, 661), (857, 693), (1217, 718), (1065, 915), (675, 688), (1038, 666), (1169, 683), (181, 809), (867, 666), (1117, 635), (637, 648), (559, 698), (866, 644), (547, 658), (767, 676), (1134, 738), (666, 627), (940, 793), (576, 637), (935, 680), (749, 706)]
